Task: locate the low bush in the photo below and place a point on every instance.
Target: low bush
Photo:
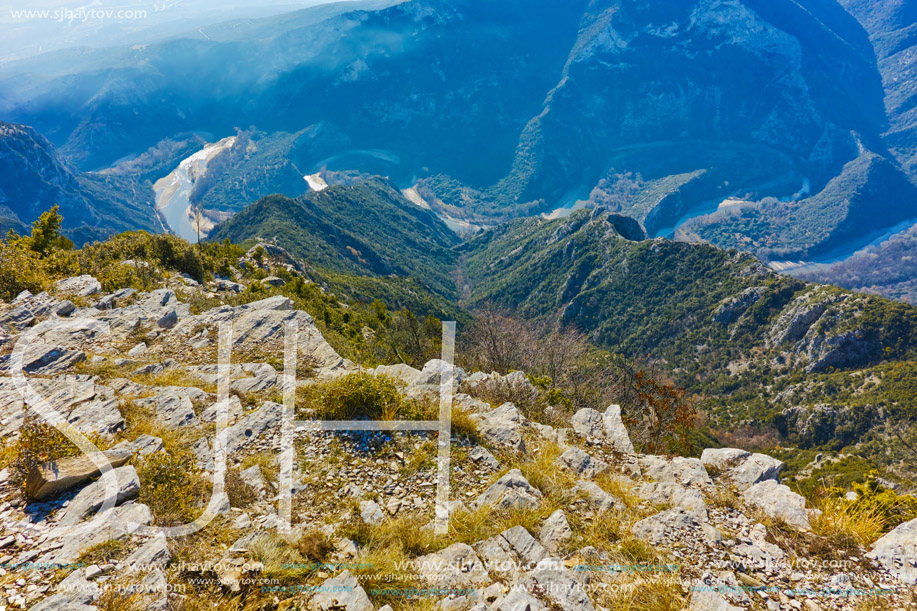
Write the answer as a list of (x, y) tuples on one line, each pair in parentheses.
[(361, 396), (38, 442), (171, 486)]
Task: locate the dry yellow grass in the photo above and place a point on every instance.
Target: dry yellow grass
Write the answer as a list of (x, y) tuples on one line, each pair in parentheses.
[(848, 522), (655, 593)]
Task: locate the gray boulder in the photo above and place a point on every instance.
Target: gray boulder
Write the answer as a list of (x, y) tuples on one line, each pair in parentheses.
[(168, 320), (678, 470), (897, 552), (560, 587), (91, 498), (615, 431), (502, 427), (742, 468), (779, 502), (80, 286), (556, 531), (341, 593), (512, 491), (371, 513), (597, 498), (119, 522), (525, 546), (174, 409), (674, 524), (588, 422), (581, 463)]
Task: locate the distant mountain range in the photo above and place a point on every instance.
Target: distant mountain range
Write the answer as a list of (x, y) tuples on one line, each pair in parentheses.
[(779, 127)]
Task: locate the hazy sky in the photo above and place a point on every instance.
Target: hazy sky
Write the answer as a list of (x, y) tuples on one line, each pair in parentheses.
[(28, 27)]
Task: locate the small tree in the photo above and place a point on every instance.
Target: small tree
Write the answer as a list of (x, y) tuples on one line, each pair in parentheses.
[(499, 342), (658, 416), (46, 232)]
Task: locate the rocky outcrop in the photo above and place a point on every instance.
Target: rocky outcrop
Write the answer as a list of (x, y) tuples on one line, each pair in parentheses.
[(689, 515), (897, 552), (732, 309), (779, 502), (341, 593), (742, 468), (512, 491), (51, 478)]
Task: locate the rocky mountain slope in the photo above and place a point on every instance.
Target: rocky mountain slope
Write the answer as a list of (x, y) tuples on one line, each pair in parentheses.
[(763, 352), (891, 27), (543, 515)]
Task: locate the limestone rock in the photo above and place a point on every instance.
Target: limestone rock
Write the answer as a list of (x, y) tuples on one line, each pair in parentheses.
[(517, 600), (673, 524), (174, 409), (51, 478), (668, 493), (779, 502), (897, 552), (80, 286), (502, 427), (484, 458), (559, 587), (457, 566), (587, 422), (615, 431), (512, 491), (581, 463), (39, 358), (91, 498), (74, 592), (526, 547), (371, 513), (742, 468), (118, 522), (678, 470), (153, 553), (556, 531), (341, 593), (598, 499)]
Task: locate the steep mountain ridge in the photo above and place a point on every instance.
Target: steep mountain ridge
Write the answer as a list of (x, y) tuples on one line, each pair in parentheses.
[(367, 228), (33, 177), (669, 300)]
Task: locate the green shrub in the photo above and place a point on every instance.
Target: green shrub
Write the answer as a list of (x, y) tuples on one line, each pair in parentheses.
[(170, 485), (360, 395), (240, 493), (875, 499), (38, 442)]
